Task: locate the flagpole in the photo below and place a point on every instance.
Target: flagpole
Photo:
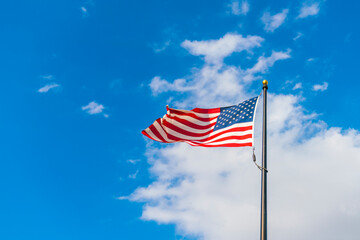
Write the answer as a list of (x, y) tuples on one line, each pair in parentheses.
[(263, 219)]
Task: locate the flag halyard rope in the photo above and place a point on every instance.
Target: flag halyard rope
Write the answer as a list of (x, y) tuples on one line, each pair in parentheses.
[(254, 159)]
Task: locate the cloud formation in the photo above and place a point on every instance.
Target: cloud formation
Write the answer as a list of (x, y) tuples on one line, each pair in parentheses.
[(93, 108), (320, 87), (272, 22), (47, 87), (214, 193), (298, 35), (134, 175), (159, 85), (264, 63), (133, 161), (309, 10), (216, 82), (160, 47), (214, 51), (297, 86), (48, 77), (84, 11), (238, 9)]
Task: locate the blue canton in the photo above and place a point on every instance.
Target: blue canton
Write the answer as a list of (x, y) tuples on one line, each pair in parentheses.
[(244, 112)]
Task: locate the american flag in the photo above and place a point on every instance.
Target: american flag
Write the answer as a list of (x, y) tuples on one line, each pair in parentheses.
[(231, 126)]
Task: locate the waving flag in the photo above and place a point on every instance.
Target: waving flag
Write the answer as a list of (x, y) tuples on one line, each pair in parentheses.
[(231, 126)]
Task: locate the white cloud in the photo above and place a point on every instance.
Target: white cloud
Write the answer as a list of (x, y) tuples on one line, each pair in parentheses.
[(47, 87), (160, 48), (297, 86), (134, 175), (320, 87), (215, 51), (216, 83), (84, 11), (264, 63), (93, 108), (245, 7), (159, 85), (309, 10), (48, 77), (133, 161), (215, 193), (298, 35), (272, 22), (223, 82), (236, 9)]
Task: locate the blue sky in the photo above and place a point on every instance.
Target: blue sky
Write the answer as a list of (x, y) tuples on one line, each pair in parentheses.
[(81, 79)]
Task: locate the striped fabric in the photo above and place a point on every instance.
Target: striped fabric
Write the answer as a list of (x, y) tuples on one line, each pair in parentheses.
[(231, 126)]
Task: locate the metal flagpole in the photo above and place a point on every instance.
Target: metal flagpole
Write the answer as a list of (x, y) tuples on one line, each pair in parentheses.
[(263, 219)]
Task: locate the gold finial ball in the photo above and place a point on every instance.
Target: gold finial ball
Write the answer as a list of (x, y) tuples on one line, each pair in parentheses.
[(265, 82)]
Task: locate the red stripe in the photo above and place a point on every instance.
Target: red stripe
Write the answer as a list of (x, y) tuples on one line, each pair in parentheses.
[(193, 115), (208, 111), (191, 124)]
